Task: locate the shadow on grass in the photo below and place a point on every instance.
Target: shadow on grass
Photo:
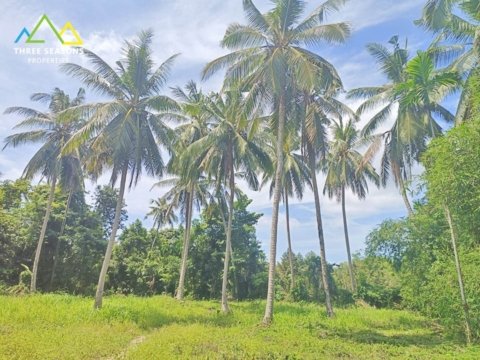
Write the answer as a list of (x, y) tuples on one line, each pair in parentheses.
[(152, 317)]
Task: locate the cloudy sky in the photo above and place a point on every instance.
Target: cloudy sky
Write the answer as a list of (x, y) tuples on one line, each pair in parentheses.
[(194, 29)]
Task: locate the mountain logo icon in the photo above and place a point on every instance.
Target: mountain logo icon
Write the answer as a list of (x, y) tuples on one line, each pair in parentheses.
[(67, 29)]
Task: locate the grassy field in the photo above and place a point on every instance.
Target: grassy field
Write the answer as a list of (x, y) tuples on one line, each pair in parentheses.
[(66, 327)]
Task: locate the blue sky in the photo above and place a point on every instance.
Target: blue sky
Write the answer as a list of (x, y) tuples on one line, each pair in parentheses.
[(194, 29)]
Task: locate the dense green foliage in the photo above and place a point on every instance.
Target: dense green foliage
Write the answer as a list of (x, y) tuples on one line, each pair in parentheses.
[(419, 247)]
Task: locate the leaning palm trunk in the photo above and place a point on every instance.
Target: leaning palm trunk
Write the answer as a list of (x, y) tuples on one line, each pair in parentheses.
[(468, 331), (403, 191), (290, 252), (277, 191), (186, 245), (57, 245), (323, 257), (111, 241), (228, 245), (33, 282), (347, 243)]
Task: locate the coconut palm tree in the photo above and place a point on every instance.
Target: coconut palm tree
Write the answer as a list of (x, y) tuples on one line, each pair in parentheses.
[(53, 129), (231, 147), (268, 55), (126, 131), (162, 213), (457, 26), (346, 169), (296, 177), (412, 96), (188, 188), (316, 107)]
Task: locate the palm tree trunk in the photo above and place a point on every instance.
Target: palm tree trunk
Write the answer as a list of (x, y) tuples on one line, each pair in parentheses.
[(347, 243), (277, 191), (111, 241), (290, 252), (225, 227), (51, 195), (186, 245), (321, 240), (228, 245), (403, 191), (57, 245), (468, 331)]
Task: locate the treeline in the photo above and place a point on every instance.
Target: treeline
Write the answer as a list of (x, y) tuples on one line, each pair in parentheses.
[(146, 261)]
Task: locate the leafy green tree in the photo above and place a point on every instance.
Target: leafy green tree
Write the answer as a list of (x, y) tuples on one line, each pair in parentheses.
[(146, 262), (268, 55), (208, 246), (452, 171), (105, 202), (128, 129), (346, 168), (53, 129)]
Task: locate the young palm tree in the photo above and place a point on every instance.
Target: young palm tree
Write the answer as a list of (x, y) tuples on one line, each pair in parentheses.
[(268, 55), (53, 129), (457, 26), (231, 147), (126, 131), (416, 89), (345, 168)]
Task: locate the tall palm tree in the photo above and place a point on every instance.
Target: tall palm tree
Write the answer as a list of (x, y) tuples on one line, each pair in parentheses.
[(415, 90), (126, 131), (268, 55), (315, 108), (457, 26), (53, 129), (296, 177), (188, 188), (230, 147), (345, 168)]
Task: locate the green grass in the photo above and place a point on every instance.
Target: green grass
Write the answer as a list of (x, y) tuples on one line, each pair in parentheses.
[(66, 327)]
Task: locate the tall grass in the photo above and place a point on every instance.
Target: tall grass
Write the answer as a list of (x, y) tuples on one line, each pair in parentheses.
[(67, 327)]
